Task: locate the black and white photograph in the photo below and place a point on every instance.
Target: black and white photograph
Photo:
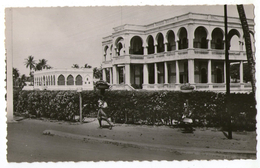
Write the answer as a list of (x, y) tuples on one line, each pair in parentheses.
[(131, 83)]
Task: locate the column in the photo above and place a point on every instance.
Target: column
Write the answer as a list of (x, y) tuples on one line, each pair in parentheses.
[(190, 35), (114, 74), (177, 44), (145, 50), (146, 75), (177, 73), (155, 49), (104, 74), (241, 72), (110, 75), (127, 74), (191, 71), (165, 47), (155, 74), (165, 73), (209, 71)]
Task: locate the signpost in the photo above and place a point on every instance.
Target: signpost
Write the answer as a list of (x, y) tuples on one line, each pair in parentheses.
[(79, 90)]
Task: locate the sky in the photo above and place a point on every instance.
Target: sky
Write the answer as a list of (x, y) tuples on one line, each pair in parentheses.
[(73, 35)]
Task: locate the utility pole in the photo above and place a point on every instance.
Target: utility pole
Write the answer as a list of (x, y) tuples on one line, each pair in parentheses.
[(227, 46)]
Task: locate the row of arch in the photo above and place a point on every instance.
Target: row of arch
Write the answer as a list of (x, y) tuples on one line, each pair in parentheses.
[(61, 80), (202, 38)]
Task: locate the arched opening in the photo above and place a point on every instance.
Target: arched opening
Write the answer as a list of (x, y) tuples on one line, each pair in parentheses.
[(200, 40), (119, 49), (171, 46), (233, 37), (78, 80), (136, 46), (217, 39), (150, 42), (160, 43), (183, 40), (61, 80), (70, 80), (119, 46), (105, 53), (203, 74)]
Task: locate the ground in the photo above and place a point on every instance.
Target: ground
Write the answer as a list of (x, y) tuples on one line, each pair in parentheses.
[(27, 143)]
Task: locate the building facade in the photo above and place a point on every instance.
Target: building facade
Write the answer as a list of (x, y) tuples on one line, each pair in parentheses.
[(184, 49), (64, 79)]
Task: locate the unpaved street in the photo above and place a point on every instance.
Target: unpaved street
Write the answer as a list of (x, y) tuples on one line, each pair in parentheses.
[(26, 143)]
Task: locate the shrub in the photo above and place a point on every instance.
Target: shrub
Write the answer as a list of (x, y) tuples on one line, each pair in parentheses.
[(142, 107)]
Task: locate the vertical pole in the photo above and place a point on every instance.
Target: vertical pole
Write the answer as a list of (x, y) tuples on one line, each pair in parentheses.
[(80, 108), (227, 75)]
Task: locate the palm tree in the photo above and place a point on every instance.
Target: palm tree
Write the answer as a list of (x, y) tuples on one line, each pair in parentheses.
[(75, 66), (42, 64), (29, 62), (249, 52), (15, 76)]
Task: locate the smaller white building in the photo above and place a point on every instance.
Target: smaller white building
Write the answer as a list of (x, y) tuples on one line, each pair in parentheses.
[(64, 79)]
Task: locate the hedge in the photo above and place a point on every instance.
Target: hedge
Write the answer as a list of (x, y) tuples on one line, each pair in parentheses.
[(141, 107)]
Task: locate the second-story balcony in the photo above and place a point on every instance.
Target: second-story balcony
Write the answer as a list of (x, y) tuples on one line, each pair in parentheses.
[(177, 55)]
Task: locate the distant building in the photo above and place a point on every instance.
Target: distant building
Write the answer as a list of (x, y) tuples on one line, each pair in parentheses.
[(64, 79), (166, 54)]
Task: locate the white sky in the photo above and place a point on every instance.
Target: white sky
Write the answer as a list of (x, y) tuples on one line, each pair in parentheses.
[(72, 35)]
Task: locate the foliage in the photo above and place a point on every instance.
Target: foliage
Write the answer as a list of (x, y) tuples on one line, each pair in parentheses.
[(142, 107)]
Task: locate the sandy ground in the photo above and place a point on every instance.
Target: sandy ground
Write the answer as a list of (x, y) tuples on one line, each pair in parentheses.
[(27, 143)]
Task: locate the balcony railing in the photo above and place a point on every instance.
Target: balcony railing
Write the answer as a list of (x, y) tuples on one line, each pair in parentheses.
[(196, 53)]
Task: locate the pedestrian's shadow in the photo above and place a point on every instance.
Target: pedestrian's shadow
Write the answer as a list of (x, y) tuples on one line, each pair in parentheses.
[(226, 135)]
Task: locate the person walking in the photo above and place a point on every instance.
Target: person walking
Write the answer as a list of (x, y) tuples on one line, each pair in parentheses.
[(101, 114)]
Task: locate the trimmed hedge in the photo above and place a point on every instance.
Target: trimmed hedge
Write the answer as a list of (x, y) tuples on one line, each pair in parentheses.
[(141, 107)]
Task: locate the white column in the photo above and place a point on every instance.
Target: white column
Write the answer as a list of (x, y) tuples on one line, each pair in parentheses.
[(146, 75), (155, 49), (209, 71), (115, 74), (145, 50), (110, 75), (9, 61), (104, 74), (177, 72), (155, 74), (191, 71), (241, 72), (177, 44), (165, 47), (165, 73), (190, 35), (127, 74)]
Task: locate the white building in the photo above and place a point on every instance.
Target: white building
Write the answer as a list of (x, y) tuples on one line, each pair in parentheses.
[(184, 49), (64, 79)]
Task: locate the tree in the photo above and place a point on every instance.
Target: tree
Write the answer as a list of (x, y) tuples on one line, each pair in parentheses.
[(42, 64), (75, 66), (15, 76), (87, 66), (97, 72), (29, 62), (249, 52)]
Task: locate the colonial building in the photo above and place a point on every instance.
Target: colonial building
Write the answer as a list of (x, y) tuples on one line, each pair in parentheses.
[(184, 49), (64, 79)]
